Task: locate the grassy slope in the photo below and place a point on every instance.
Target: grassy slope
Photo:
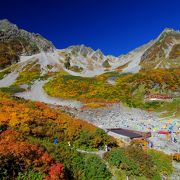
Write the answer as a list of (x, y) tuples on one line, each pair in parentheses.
[(30, 73), (129, 89), (4, 72)]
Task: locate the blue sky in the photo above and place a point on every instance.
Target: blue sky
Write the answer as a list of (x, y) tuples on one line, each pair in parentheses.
[(114, 26)]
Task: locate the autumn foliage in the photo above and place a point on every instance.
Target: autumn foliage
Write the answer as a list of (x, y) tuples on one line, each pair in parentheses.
[(37, 119), (176, 157), (16, 154), (56, 172), (126, 88), (21, 121)]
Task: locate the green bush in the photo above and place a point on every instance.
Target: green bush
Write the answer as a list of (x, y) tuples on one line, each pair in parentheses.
[(95, 168), (135, 161), (12, 89), (91, 140), (30, 175), (4, 72), (84, 139), (143, 160), (118, 158), (163, 162)]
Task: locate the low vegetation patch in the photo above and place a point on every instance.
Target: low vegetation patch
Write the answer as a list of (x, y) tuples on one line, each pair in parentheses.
[(94, 105), (30, 73), (12, 89), (84, 89), (4, 72), (129, 88), (76, 68), (106, 64), (176, 157), (163, 162), (133, 161)]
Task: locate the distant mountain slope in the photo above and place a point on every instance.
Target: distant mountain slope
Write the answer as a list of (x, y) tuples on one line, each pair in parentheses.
[(83, 60), (15, 42), (133, 58), (88, 62), (17, 45), (164, 53)]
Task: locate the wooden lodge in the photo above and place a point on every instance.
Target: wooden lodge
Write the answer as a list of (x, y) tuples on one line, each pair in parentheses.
[(127, 134), (158, 97)]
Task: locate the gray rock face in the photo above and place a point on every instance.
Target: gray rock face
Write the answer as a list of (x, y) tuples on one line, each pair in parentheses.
[(80, 50), (34, 42), (86, 52)]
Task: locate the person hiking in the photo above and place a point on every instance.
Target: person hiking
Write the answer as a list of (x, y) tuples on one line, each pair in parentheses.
[(106, 148), (150, 143), (55, 141), (173, 139), (171, 131)]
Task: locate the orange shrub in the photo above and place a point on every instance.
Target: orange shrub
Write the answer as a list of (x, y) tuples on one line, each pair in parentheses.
[(17, 155), (176, 157)]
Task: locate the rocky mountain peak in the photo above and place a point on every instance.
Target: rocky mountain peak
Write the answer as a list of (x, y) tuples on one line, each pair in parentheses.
[(164, 53), (99, 52), (167, 30), (11, 32), (6, 25), (15, 42), (80, 48)]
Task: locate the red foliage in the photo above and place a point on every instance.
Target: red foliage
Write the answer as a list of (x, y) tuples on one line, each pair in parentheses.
[(16, 151), (56, 172)]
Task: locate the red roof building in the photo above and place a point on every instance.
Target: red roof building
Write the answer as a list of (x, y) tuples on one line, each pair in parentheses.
[(158, 97)]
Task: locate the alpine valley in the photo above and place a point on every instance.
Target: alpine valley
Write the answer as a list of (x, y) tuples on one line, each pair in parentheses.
[(59, 108)]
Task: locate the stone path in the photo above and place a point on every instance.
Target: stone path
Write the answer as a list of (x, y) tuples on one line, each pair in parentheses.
[(100, 153)]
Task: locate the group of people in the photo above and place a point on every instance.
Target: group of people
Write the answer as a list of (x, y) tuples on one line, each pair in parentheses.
[(169, 131)]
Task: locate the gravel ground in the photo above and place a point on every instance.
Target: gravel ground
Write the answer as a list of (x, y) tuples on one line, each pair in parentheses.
[(118, 116), (37, 93)]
